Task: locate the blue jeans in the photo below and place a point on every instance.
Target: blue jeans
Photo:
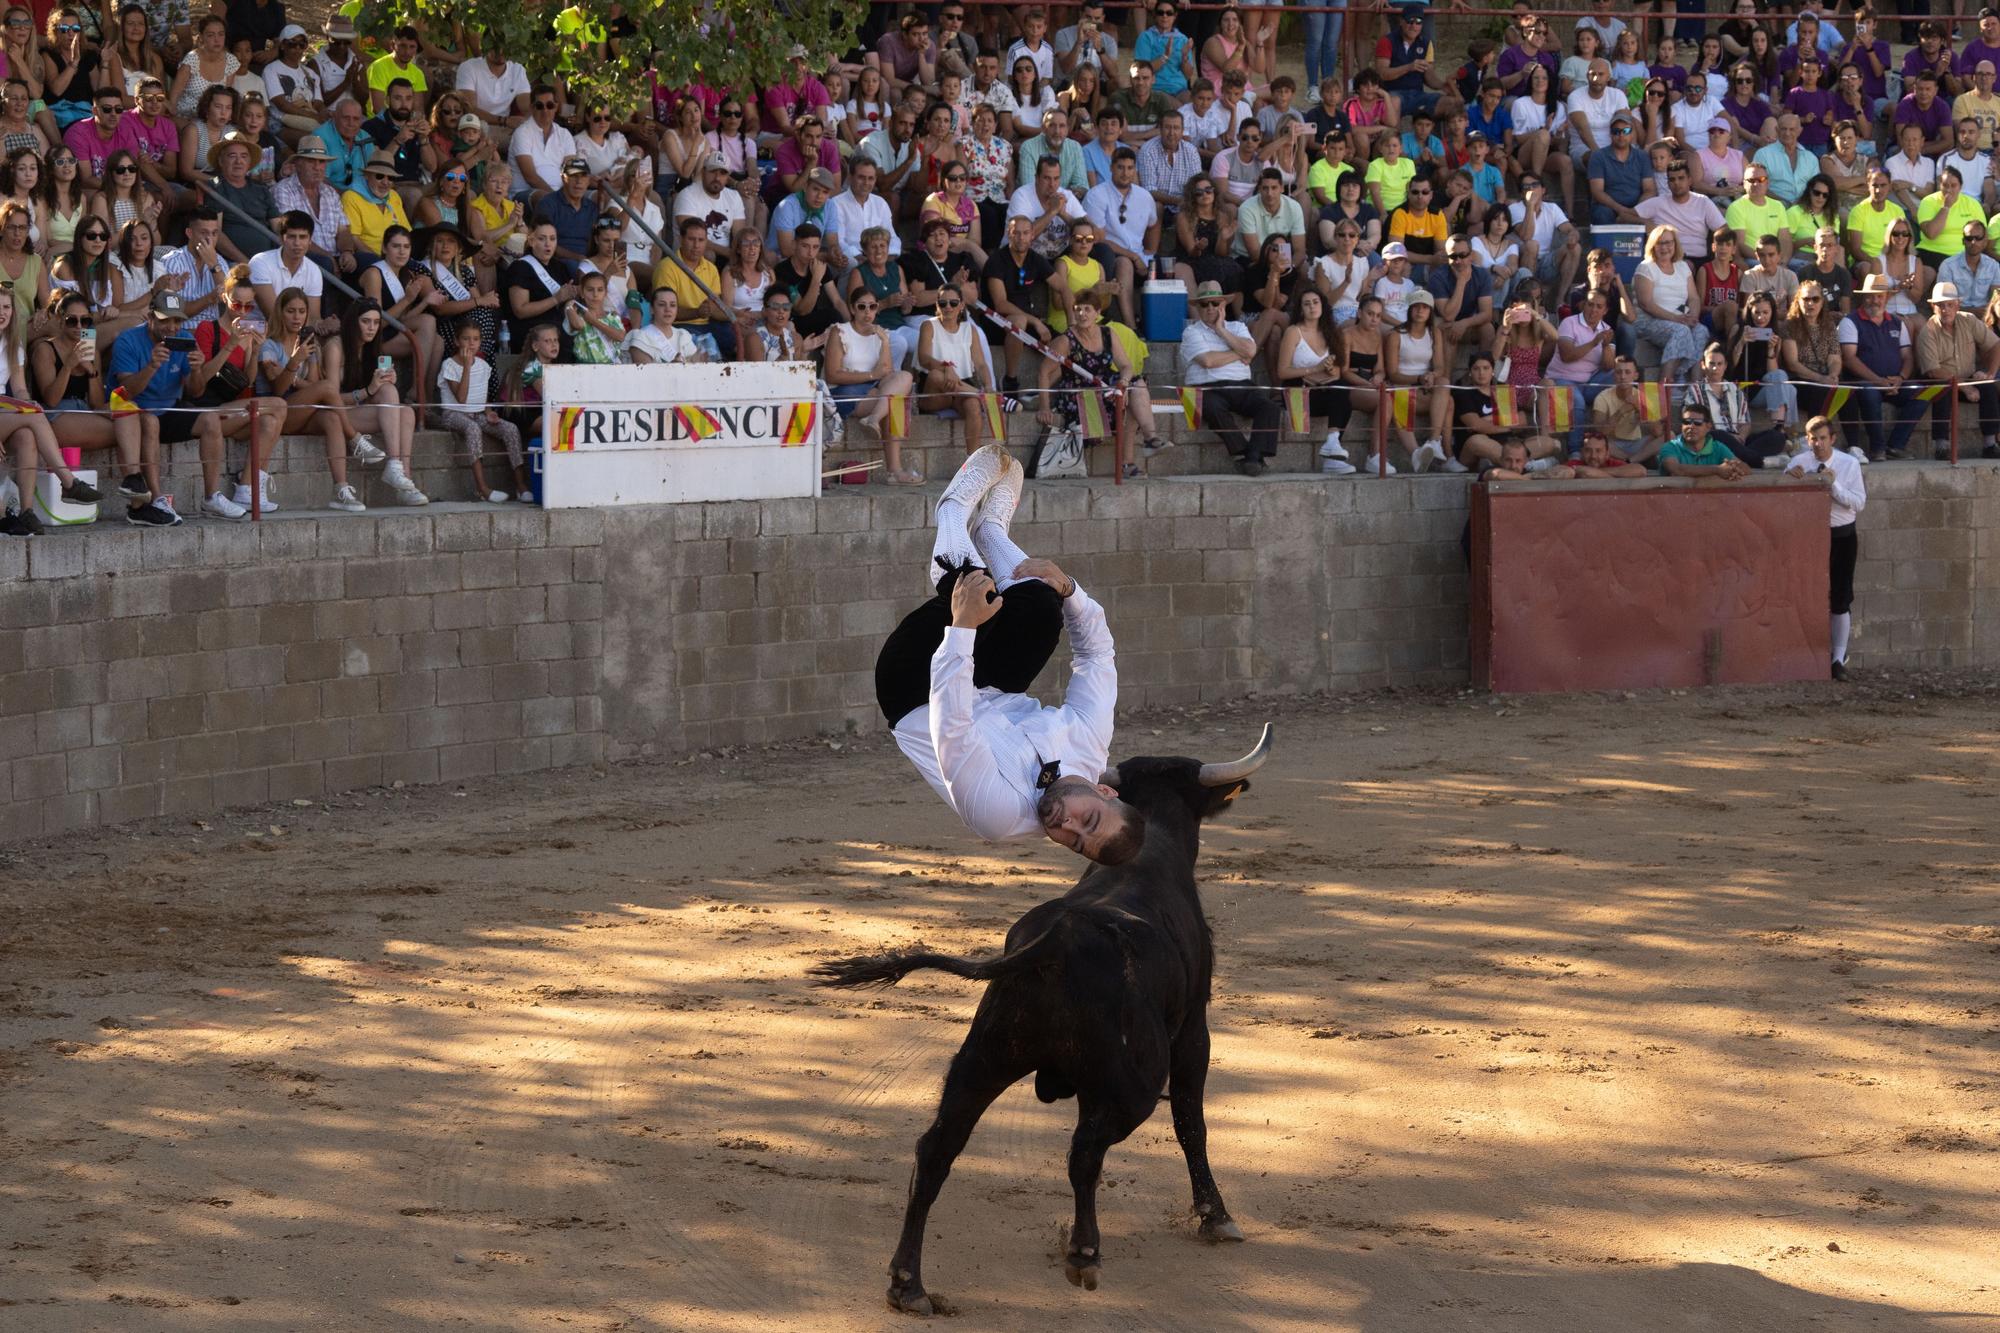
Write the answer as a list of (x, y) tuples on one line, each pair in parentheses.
[(1867, 402), (1581, 396), (1322, 46)]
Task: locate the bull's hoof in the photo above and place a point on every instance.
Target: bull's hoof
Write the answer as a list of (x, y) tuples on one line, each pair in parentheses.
[(1082, 1272), (911, 1300), (1217, 1230)]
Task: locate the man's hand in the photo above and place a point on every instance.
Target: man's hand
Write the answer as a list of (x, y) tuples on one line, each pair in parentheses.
[(1048, 572), (973, 601)]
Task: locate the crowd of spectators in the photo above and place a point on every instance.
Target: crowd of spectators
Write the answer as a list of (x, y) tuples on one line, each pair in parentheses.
[(1607, 223)]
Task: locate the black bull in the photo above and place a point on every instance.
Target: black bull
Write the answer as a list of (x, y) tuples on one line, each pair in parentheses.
[(1101, 994)]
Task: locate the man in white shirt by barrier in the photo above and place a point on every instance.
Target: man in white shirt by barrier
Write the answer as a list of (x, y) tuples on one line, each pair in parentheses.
[(952, 681), (1848, 494)]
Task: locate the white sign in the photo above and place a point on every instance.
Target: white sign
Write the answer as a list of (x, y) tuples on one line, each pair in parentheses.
[(665, 434)]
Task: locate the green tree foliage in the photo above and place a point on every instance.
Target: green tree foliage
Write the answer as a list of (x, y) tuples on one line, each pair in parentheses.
[(723, 43)]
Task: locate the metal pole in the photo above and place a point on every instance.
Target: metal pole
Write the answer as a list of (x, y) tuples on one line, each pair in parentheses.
[(256, 471), (1382, 431), (332, 277), (1954, 421)]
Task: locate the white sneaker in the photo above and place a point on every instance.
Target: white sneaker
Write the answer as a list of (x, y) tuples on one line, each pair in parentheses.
[(1427, 455), (345, 497), (1452, 465), (1338, 467), (397, 479), (1333, 447), (219, 505), (1859, 455), (265, 504), (497, 497), (1005, 496), (526, 497), (977, 475), (1374, 467), (365, 451), (412, 496)]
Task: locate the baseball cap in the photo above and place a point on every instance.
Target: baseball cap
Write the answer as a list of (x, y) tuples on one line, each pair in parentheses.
[(289, 32), (821, 176), (167, 305), (470, 121), (714, 162), (1415, 11), (1395, 250), (1718, 123), (1422, 296), (575, 166)]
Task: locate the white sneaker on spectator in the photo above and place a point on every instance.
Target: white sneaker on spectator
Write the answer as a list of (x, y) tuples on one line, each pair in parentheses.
[(346, 498), (1859, 455), (366, 451), (1427, 455), (1452, 465), (412, 496), (526, 497), (394, 475), (265, 504), (1775, 462), (497, 497), (1338, 467), (219, 505), (1333, 448), (1375, 467)]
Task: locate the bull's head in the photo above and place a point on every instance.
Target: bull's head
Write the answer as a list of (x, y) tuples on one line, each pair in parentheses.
[(1201, 789)]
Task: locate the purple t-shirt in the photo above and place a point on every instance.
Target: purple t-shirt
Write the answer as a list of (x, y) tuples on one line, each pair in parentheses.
[(1934, 121), (92, 149), (1514, 59), (1974, 52), (1671, 75), (1914, 63), (1854, 53), (1811, 108), (1751, 117)]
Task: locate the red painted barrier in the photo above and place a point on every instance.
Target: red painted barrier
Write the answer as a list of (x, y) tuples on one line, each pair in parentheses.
[(1596, 585)]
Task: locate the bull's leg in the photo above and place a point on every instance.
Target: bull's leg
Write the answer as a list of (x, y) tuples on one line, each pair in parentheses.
[(974, 1080), (1188, 1076), (1101, 1122)]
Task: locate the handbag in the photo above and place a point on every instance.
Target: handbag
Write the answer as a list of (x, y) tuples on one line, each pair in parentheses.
[(1058, 456), (224, 387)]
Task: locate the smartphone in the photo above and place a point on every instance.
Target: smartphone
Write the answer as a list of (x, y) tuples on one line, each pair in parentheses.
[(180, 342), (385, 365)]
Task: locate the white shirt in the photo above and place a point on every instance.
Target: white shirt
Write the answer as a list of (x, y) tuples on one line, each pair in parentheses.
[(1198, 340), (662, 345), (719, 212), (1106, 205), (268, 269), (492, 93), (1694, 219), (982, 749), (544, 154), (853, 216), (1597, 111), (1203, 130), (1849, 491), (282, 80), (1025, 203), (329, 72), (476, 383), (1547, 220), (1691, 119), (1045, 65)]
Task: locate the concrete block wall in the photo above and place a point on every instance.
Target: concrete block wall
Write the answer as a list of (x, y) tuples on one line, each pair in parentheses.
[(152, 672)]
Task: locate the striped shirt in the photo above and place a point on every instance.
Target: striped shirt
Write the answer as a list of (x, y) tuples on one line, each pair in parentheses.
[(327, 214), (200, 282)]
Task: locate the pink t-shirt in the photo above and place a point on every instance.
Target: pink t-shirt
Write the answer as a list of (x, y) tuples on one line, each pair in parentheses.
[(92, 149), (153, 142), (1577, 330)]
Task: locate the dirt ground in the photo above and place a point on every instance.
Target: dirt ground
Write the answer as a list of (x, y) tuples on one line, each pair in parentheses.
[(1658, 1013)]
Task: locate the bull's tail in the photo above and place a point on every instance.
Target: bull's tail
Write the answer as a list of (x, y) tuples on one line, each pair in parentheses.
[(886, 969)]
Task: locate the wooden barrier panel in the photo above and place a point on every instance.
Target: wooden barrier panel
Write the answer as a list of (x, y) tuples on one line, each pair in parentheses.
[(1595, 585)]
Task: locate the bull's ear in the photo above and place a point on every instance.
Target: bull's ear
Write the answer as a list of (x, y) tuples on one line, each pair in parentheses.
[(1220, 797)]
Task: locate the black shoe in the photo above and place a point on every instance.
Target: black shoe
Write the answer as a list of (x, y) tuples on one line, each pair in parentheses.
[(32, 523), (151, 516), (81, 492), (134, 487), (12, 525), (1840, 671), (1990, 451), (1250, 467)]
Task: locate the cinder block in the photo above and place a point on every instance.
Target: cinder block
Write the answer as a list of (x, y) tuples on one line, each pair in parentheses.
[(23, 604), (466, 530), (429, 651), (782, 518), (55, 647), (464, 685), (348, 538), (61, 729), (168, 718), (58, 555), (122, 804), (292, 782), (196, 673), (548, 717), (586, 564), (576, 602), (406, 691), (404, 534), (516, 529), (369, 578), (529, 754), (342, 620), (735, 519), (311, 661), (114, 551), (291, 703), (399, 615), (576, 527), (549, 564), (567, 751), (321, 738), (244, 668), (75, 810), (353, 772), (117, 723), (520, 680), (539, 643), (489, 569), (412, 768), (843, 513), (517, 606), (459, 762), (435, 573), (458, 610)]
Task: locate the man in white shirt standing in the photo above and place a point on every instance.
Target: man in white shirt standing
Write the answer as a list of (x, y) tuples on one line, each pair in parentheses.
[(498, 87), (857, 208), (952, 681), (1841, 475), (1130, 222)]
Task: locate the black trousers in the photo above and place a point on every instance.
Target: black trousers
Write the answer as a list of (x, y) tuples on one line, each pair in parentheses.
[(1840, 569), (1222, 402), (1989, 416), (1008, 651)]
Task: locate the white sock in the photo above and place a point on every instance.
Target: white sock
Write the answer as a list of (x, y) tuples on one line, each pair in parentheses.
[(1841, 626), (954, 543), (999, 554)]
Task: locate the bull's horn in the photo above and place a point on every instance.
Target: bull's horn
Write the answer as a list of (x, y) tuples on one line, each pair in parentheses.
[(1109, 777), (1222, 775)]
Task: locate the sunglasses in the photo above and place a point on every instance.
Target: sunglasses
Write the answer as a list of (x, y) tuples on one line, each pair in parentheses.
[(69, 27), (955, 176), (545, 106), (949, 304), (454, 175), (1621, 129), (600, 120), (97, 236), (126, 170), (79, 322), (727, 111)]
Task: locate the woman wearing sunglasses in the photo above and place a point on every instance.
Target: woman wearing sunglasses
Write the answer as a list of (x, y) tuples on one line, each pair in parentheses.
[(125, 198), (64, 202), (955, 368), (952, 205), (68, 380), (87, 271)]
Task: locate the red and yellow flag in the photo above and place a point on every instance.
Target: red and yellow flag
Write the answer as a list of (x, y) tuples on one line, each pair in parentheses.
[(799, 425), (1399, 407), (1191, 406), (1652, 402), (121, 405), (1838, 401), (1298, 420), (1506, 411), (1932, 393), (565, 441), (21, 405), (1562, 408), (1090, 413), (996, 415), (698, 422), (899, 416)]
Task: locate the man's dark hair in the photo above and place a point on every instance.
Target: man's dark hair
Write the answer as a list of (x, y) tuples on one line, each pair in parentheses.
[(693, 223), (806, 231), (296, 220), (204, 213), (1123, 845), (406, 33), (1127, 153), (399, 79)]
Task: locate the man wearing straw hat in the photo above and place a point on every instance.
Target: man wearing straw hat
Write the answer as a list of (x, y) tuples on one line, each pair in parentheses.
[(1215, 359), (1952, 345), (1878, 359)]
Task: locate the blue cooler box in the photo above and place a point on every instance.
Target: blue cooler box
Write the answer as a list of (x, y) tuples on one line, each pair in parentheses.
[(1627, 244), (1164, 306)]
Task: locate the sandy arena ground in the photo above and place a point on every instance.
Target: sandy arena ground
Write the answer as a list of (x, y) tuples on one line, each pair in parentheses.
[(1676, 1012)]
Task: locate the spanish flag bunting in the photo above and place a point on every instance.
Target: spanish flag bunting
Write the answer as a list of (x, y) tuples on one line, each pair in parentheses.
[(1295, 411), (699, 422), (1090, 410), (1191, 406), (799, 425), (121, 405), (996, 416), (1652, 402), (1399, 407), (565, 441), (1562, 409), (20, 405), (1932, 393), (1838, 401), (1505, 410), (899, 416)]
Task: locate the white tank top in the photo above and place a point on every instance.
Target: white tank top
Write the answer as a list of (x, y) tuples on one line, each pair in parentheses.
[(1304, 357), (859, 354), (953, 348), (1413, 355)]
